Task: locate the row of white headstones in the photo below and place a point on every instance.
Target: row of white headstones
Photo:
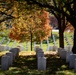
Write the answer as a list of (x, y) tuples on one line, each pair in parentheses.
[(8, 58), (41, 59), (63, 53), (68, 56), (6, 47)]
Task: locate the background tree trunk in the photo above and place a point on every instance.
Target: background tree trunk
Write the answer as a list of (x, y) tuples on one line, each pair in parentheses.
[(61, 33), (74, 43), (61, 39)]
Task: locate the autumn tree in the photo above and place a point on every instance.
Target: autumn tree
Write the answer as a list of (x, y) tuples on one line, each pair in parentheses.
[(32, 27), (66, 11)]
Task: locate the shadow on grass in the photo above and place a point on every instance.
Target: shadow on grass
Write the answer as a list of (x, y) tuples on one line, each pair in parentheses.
[(27, 65)]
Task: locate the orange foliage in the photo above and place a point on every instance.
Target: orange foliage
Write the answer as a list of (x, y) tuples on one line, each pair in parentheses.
[(37, 25)]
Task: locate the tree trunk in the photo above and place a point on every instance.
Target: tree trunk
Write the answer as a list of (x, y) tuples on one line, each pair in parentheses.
[(74, 43), (74, 24), (61, 39), (61, 34)]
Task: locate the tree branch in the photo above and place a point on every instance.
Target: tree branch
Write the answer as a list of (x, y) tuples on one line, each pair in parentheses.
[(47, 6), (8, 17)]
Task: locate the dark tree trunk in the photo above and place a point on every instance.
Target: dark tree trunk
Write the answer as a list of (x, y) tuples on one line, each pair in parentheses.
[(74, 7), (61, 33), (74, 43), (73, 22), (61, 38)]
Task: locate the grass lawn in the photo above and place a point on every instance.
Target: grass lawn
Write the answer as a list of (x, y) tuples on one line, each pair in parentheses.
[(26, 64)]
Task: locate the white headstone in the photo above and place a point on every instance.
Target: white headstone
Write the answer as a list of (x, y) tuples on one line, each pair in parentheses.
[(68, 56), (55, 48), (2, 48), (6, 48), (34, 44), (75, 66), (41, 63), (5, 62), (47, 44), (50, 48), (68, 48), (54, 39), (63, 54), (38, 50), (10, 54), (40, 54), (59, 51), (15, 51), (47, 48), (21, 47), (72, 60)]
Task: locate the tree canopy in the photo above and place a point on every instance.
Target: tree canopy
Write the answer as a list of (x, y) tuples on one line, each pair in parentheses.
[(64, 7), (35, 26)]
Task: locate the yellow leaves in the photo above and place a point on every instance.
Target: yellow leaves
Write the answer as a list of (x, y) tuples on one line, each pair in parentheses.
[(2, 26), (36, 24)]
